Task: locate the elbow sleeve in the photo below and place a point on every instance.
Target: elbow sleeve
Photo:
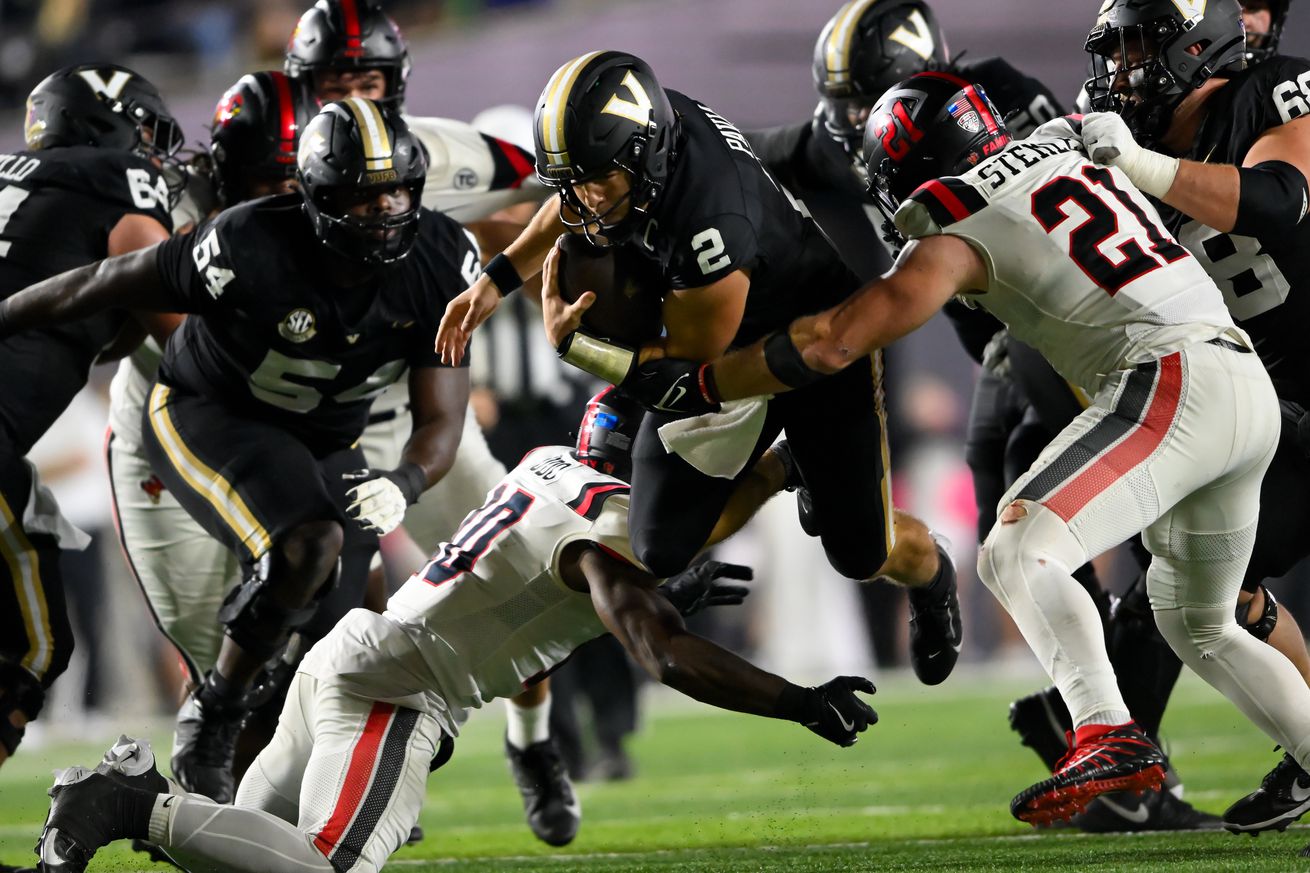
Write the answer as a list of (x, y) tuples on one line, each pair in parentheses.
[(1273, 199)]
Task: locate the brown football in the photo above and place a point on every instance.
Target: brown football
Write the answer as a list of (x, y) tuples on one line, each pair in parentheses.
[(629, 299)]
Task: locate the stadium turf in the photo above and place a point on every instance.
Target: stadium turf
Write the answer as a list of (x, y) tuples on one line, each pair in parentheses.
[(926, 789)]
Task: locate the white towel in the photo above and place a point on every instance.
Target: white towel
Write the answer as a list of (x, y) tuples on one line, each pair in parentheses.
[(718, 443)]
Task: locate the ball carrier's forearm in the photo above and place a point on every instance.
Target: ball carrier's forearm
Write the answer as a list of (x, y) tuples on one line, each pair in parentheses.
[(128, 281)]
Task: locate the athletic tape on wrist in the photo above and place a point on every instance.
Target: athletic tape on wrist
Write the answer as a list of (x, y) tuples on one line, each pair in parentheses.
[(609, 361), (786, 363), (500, 270)]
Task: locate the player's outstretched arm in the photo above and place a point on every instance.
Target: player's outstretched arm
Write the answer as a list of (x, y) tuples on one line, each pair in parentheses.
[(130, 281), (525, 256), (649, 627), (929, 272)]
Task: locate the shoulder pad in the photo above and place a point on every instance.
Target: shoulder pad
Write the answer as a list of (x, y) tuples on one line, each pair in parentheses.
[(937, 205)]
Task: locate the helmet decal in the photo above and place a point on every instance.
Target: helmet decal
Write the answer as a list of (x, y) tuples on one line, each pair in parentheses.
[(841, 38), (287, 122), (553, 108), (373, 132), (112, 88), (636, 110), (350, 21)]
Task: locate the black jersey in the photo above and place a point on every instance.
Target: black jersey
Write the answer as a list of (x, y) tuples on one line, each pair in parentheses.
[(277, 339), (721, 211), (57, 209), (1265, 282)]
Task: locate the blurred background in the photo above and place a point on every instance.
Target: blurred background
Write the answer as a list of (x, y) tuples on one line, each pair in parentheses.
[(750, 60)]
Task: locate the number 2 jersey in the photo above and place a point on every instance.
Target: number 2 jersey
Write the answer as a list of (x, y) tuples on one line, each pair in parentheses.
[(272, 336), (1265, 282), (1078, 263), (57, 209), (490, 611)]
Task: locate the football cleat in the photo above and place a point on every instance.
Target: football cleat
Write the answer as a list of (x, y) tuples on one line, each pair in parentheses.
[(936, 630), (416, 836), (1123, 759), (552, 809), (794, 480), (131, 763), (1041, 720), (204, 745), (1282, 798), (1124, 812), (85, 814), (9, 868)]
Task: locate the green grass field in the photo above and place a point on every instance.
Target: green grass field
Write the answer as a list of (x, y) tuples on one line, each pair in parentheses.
[(926, 789)]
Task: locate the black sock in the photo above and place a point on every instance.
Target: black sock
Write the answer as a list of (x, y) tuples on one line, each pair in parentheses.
[(944, 581), (134, 809), (217, 689)]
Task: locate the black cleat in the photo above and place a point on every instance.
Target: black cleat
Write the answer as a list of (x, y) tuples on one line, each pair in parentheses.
[(1123, 759), (415, 836), (553, 811), (794, 480), (10, 868), (85, 814), (936, 631), (205, 742), (1124, 812), (1282, 798), (1042, 720)]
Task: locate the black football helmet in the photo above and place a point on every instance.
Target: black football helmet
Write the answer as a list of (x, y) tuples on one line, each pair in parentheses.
[(602, 111), (609, 427), (349, 147), (1148, 55), (866, 48), (103, 105), (349, 35), (256, 130), (933, 124), (1263, 46)]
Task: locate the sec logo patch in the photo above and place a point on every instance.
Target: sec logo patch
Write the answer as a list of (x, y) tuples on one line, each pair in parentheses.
[(298, 326)]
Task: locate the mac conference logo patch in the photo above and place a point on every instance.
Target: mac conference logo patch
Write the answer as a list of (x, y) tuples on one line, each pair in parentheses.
[(298, 326)]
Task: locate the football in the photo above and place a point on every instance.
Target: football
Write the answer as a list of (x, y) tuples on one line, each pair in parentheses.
[(629, 299)]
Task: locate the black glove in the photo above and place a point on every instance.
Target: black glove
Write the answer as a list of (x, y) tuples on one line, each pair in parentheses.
[(673, 385), (831, 710), (698, 587)]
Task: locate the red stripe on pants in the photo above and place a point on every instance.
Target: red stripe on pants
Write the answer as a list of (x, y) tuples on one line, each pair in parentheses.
[(1136, 447), (362, 761)]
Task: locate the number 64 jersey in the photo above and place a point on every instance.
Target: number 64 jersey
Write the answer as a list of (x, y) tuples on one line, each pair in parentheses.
[(490, 611), (1079, 264)]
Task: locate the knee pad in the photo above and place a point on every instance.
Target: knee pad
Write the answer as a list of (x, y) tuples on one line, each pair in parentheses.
[(1263, 627), (256, 621), (20, 691)]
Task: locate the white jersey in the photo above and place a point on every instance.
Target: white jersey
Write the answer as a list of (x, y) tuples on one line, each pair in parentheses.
[(489, 611), (471, 175), (1079, 264), (128, 392)]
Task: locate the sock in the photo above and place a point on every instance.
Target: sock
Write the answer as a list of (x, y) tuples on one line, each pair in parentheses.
[(944, 580), (527, 724), (134, 810), (1091, 730), (220, 688)]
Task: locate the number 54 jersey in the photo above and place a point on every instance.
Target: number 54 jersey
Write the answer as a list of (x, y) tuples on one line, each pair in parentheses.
[(1079, 264), (490, 611)]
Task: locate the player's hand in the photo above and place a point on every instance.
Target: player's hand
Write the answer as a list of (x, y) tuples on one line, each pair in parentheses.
[(699, 587), (560, 317), (462, 317), (834, 712), (674, 385), (996, 355), (1109, 141), (378, 504)]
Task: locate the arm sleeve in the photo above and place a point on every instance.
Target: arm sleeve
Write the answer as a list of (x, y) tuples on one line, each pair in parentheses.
[(713, 249)]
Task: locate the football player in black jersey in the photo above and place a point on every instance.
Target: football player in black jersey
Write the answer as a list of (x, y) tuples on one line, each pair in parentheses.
[(1224, 149), (303, 308), (88, 186), (669, 178)]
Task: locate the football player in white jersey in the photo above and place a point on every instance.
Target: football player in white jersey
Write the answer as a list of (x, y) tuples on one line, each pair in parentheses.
[(1184, 422), (351, 48), (543, 566)]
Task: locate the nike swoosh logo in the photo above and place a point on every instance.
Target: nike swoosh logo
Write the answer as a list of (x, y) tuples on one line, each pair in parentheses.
[(665, 403), (1139, 815), (846, 725), (1300, 794)]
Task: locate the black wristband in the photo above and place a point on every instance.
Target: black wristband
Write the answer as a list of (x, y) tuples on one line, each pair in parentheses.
[(786, 363), (794, 703), (500, 270), (410, 479)]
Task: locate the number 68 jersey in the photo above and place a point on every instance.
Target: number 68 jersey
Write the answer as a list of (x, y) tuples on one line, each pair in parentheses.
[(490, 611), (1079, 265)]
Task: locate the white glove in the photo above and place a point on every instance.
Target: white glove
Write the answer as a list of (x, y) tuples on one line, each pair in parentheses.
[(378, 505), (1110, 142)]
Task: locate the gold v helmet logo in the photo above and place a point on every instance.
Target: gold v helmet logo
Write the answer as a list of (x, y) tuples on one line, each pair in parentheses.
[(636, 110), (916, 35), (1191, 8), (110, 89)]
